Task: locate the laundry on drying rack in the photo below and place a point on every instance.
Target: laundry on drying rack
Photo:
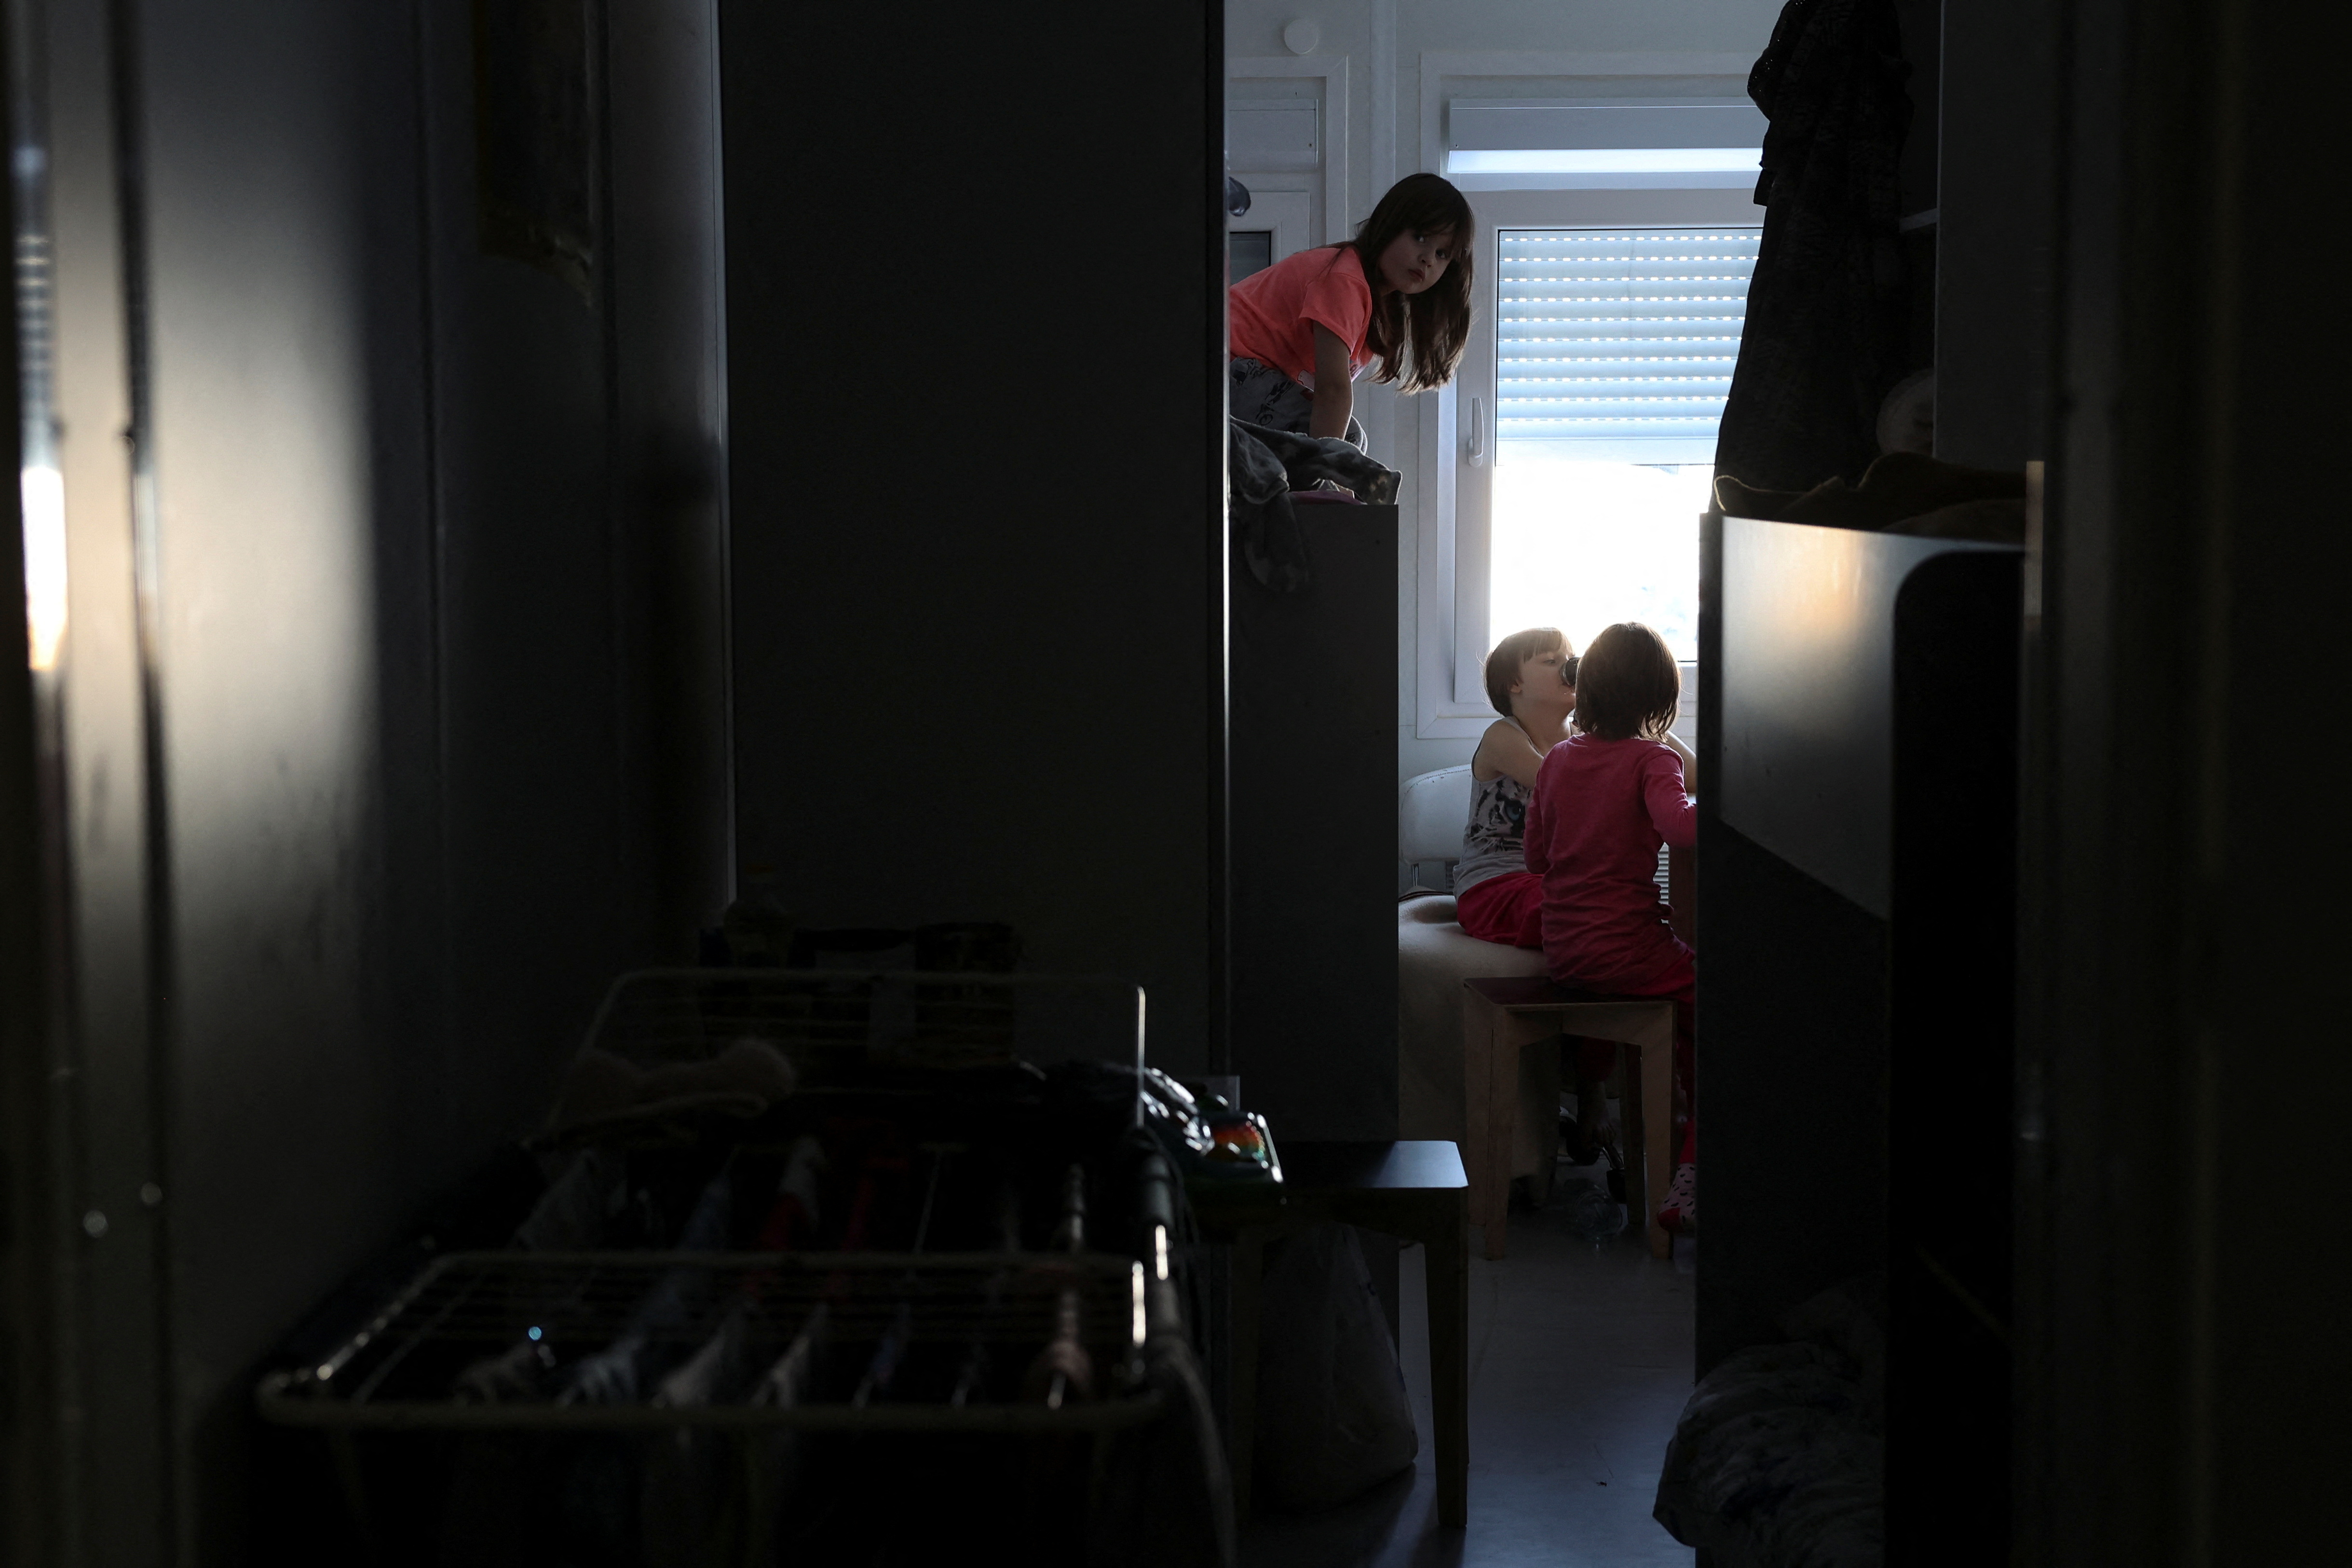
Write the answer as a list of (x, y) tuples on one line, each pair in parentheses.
[(605, 1094), (682, 1500), (1063, 1370), (570, 1216), (614, 1374), (773, 1455), (891, 1349), (972, 1377), (794, 1218), (710, 1385)]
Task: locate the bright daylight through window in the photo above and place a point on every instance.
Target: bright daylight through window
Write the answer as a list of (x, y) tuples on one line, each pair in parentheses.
[(1614, 352)]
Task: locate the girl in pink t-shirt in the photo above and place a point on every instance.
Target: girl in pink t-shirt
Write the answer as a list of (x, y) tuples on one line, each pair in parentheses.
[(1302, 330), (1605, 799)]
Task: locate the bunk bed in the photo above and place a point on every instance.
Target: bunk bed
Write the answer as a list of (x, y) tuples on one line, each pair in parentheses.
[(1857, 852)]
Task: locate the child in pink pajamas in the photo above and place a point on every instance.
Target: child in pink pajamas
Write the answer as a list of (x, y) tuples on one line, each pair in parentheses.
[(1605, 799)]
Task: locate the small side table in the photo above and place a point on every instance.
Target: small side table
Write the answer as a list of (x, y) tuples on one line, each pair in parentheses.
[(1413, 1189)]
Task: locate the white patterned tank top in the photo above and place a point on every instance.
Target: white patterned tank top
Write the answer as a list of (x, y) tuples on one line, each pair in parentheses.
[(1495, 842)]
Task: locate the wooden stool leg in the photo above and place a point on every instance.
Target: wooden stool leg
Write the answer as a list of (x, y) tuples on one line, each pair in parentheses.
[(1657, 1093), (1447, 1263), (1485, 1045), (1640, 1197), (1513, 1034), (1491, 1039)]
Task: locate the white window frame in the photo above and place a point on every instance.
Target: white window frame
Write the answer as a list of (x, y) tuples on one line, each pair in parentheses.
[(1327, 74), (1456, 532), (1286, 215), (1442, 675)]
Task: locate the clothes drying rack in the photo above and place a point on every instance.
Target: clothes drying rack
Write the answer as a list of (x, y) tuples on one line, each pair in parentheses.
[(1075, 1333), (931, 1315)]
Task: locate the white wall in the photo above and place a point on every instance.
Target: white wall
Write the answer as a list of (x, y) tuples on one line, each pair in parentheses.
[(1395, 52)]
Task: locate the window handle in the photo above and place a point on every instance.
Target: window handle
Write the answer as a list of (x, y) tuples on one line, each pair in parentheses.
[(1477, 431)]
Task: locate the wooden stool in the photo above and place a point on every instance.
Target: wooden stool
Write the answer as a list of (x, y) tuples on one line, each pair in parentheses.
[(1414, 1189), (1500, 1018)]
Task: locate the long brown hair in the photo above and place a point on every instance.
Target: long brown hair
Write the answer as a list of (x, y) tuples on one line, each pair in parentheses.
[(1419, 336)]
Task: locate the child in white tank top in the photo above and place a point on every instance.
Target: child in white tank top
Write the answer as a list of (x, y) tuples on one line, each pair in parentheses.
[(1530, 679)]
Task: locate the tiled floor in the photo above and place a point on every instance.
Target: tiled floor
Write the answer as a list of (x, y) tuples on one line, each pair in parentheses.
[(1579, 1362)]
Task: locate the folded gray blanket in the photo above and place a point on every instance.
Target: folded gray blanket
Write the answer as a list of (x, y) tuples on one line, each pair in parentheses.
[(1264, 466), (1778, 1461)]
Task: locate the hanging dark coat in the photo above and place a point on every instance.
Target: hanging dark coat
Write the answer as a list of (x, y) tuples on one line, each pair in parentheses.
[(1825, 338)]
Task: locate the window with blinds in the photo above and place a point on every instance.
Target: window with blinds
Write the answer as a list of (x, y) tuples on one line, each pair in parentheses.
[(1618, 344)]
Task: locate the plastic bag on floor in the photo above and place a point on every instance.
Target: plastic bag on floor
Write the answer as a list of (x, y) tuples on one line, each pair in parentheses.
[(1332, 1418)]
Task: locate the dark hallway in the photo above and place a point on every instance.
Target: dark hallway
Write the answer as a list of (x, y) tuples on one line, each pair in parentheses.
[(516, 493)]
